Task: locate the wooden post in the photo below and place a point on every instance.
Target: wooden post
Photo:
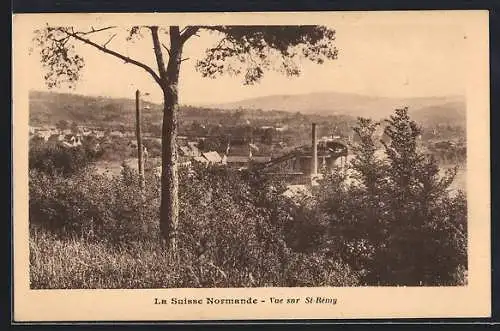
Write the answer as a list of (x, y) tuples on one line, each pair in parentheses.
[(140, 160), (314, 170)]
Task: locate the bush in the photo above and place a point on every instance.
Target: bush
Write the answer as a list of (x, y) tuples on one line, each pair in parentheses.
[(95, 206), (153, 146), (116, 148), (53, 159), (239, 231), (230, 234)]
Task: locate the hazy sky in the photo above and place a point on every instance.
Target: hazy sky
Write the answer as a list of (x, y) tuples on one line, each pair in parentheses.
[(418, 58)]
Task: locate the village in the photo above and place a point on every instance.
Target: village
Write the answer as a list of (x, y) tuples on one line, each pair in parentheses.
[(299, 166), (266, 153)]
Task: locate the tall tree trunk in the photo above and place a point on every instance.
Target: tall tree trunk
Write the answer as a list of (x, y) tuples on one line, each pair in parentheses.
[(140, 160), (169, 210)]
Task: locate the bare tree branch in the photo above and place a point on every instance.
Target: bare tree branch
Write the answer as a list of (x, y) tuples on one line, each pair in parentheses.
[(111, 52), (188, 32), (109, 40), (158, 53), (166, 48), (95, 30)]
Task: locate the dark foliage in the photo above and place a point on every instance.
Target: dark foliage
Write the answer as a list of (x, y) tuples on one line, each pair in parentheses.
[(53, 159), (252, 50), (231, 234), (396, 222)]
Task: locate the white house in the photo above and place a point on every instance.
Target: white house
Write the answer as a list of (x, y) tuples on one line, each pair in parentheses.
[(212, 157), (72, 141)]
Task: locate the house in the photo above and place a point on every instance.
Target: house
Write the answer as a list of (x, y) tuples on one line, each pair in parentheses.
[(212, 157), (189, 150), (237, 161), (72, 141), (240, 161), (184, 150), (33, 129), (98, 133), (44, 134), (85, 132)]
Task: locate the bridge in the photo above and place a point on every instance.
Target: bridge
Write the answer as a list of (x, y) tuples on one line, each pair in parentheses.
[(298, 165)]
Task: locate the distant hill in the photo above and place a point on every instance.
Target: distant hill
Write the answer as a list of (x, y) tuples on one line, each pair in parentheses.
[(51, 107), (47, 108), (428, 109), (453, 113)]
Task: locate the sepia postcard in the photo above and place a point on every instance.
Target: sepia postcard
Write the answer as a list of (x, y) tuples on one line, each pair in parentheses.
[(230, 166)]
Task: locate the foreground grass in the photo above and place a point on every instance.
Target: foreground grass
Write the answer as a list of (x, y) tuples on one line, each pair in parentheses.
[(75, 263), (78, 263)]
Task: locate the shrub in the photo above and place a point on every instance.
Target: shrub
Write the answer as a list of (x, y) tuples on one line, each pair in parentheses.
[(153, 146), (116, 148), (94, 206), (54, 159), (318, 269), (230, 235), (397, 224), (238, 231)]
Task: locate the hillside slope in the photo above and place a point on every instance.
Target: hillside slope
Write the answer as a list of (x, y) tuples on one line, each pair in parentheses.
[(328, 103), (47, 108)]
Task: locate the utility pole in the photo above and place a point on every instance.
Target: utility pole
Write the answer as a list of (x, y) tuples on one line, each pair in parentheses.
[(139, 140), (314, 166)]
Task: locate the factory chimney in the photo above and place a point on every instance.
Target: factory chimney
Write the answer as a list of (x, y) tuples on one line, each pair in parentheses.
[(314, 170)]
